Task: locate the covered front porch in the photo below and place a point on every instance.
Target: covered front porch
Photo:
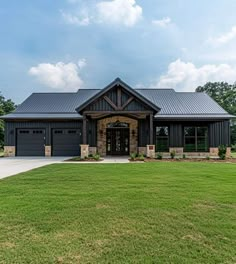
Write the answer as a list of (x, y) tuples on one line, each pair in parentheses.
[(117, 134), (117, 121)]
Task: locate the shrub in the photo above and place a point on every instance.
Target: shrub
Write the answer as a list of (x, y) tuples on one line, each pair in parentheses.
[(208, 157), (90, 155), (159, 156), (96, 156), (222, 152), (133, 156), (233, 148), (172, 154), (184, 156), (141, 157)]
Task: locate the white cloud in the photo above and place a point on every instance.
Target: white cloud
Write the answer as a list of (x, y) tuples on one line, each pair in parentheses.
[(224, 38), (59, 76), (121, 12), (162, 23), (78, 20), (185, 76), (82, 63)]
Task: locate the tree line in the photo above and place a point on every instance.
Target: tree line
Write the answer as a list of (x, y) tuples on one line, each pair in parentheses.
[(222, 92)]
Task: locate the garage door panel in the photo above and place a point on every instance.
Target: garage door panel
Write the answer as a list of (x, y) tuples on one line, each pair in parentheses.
[(66, 142), (30, 142)]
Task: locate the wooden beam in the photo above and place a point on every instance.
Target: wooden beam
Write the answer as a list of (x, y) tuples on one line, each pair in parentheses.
[(84, 130), (127, 103), (110, 102), (151, 129)]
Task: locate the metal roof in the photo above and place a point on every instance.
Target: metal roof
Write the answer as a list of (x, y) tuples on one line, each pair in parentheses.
[(172, 104)]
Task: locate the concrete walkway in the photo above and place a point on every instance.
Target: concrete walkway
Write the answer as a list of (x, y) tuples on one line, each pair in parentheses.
[(15, 165)]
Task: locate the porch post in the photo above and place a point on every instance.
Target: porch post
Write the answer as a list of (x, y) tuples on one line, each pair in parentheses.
[(151, 129), (151, 147), (84, 130)]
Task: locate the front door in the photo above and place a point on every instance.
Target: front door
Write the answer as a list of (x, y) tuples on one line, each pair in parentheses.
[(117, 141)]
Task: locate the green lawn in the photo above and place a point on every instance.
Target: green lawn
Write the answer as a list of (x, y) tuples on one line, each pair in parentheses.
[(120, 213), (233, 154)]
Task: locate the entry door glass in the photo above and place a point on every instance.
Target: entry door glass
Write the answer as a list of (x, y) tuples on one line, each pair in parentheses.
[(118, 141)]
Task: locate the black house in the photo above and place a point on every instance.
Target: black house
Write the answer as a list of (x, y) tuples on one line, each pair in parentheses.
[(116, 120)]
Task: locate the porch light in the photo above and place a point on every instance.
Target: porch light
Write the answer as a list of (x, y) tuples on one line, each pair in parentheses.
[(133, 132)]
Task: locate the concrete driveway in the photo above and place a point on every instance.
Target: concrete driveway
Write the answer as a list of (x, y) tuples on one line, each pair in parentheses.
[(15, 165)]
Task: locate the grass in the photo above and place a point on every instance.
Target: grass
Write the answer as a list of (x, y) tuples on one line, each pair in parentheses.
[(120, 213), (233, 154)]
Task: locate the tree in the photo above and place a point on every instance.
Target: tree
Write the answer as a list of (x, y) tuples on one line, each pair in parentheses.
[(225, 95), (6, 107)]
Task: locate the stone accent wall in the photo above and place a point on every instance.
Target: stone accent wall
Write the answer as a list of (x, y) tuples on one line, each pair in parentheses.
[(142, 150), (151, 151), (213, 151), (84, 151), (92, 150), (9, 151), (48, 151), (101, 133), (177, 150)]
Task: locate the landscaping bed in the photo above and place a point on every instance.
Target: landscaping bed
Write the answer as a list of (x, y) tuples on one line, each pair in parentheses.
[(90, 158), (211, 160)]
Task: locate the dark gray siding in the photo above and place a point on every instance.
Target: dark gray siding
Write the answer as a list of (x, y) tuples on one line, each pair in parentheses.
[(102, 105), (92, 133), (143, 132), (10, 129), (219, 133)]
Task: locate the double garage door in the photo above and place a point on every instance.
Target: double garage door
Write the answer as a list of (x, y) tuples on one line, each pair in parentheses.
[(65, 142)]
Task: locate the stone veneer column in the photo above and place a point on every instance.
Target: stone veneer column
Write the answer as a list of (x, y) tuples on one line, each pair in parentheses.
[(84, 151), (101, 133), (151, 151), (9, 151), (48, 151), (213, 151)]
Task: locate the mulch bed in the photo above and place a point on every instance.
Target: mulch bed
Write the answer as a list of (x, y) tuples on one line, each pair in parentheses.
[(230, 160), (84, 160)]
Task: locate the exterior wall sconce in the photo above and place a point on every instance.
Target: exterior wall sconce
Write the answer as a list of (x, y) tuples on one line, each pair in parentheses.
[(100, 132), (133, 132)]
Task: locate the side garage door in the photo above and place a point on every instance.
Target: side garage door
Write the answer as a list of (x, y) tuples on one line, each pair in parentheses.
[(66, 142), (30, 142)]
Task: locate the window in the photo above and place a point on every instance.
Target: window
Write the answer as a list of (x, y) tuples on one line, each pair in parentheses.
[(162, 139), (72, 131), (118, 124), (58, 132), (196, 139), (24, 131), (37, 132)]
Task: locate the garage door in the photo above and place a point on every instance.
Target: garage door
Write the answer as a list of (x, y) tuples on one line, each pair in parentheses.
[(30, 142), (66, 142)]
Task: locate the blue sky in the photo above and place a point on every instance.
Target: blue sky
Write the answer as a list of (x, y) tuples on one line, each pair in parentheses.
[(65, 45)]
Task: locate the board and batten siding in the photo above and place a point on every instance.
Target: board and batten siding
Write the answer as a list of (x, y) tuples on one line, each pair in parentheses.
[(219, 132)]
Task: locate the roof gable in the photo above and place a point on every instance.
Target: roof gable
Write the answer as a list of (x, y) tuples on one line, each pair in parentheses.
[(118, 96)]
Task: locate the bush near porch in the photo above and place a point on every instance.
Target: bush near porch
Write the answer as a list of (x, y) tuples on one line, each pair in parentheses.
[(120, 213)]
